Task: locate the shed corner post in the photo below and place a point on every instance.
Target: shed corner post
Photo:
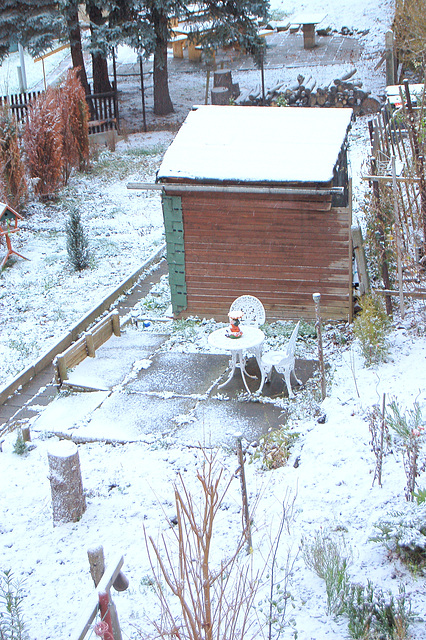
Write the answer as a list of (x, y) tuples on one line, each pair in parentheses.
[(175, 243)]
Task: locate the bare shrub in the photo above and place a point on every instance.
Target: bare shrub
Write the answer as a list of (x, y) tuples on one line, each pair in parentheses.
[(13, 185), (43, 139), (410, 31), (409, 429), (215, 600), (380, 439)]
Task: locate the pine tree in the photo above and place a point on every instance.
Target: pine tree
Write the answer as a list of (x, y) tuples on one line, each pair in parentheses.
[(36, 24), (77, 242), (146, 26)]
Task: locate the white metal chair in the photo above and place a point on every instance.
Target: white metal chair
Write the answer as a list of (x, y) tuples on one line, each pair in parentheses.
[(252, 308), (283, 361)]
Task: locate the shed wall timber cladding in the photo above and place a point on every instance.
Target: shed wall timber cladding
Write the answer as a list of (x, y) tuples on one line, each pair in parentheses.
[(173, 224), (281, 249)]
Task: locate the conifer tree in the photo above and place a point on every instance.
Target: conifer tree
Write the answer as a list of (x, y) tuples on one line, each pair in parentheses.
[(77, 241), (43, 141), (13, 185), (146, 26)]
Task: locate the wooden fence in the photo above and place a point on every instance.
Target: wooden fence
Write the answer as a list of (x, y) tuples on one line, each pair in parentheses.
[(397, 174), (18, 103), (104, 112), (103, 108), (86, 346)]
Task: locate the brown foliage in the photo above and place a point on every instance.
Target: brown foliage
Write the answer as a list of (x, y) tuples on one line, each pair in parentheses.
[(75, 127), (410, 31), (13, 185), (57, 135), (43, 139)]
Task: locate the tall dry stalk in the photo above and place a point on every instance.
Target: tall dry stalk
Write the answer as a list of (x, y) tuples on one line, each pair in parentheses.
[(215, 599)]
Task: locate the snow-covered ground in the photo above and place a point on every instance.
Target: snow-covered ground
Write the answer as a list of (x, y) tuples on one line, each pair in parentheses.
[(327, 484)]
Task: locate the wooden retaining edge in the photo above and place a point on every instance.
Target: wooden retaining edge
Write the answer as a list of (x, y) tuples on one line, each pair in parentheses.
[(68, 338)]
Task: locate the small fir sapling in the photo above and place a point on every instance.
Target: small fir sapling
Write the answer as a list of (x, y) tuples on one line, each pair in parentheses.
[(13, 185), (77, 242)]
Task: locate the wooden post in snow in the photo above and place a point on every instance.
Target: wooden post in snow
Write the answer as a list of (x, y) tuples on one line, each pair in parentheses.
[(97, 569), (390, 58), (246, 515), (317, 298), (398, 239), (68, 501), (361, 262)]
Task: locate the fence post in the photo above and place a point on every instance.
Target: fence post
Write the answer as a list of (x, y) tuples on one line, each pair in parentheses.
[(390, 58), (97, 570), (317, 297)]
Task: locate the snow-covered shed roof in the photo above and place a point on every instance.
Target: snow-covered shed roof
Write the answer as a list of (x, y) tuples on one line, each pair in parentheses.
[(256, 144)]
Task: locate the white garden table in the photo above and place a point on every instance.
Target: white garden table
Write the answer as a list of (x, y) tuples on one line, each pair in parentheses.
[(250, 342)]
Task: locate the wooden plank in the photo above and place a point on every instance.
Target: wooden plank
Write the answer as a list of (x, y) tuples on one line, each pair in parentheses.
[(111, 573)]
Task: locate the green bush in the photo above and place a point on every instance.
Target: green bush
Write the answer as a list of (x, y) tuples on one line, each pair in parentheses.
[(12, 625), (403, 532), (372, 327), (373, 614), (328, 557), (275, 447)]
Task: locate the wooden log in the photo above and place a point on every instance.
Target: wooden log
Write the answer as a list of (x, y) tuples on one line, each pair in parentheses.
[(371, 105), (348, 75), (68, 501), (220, 95), (26, 433), (222, 78), (115, 316)]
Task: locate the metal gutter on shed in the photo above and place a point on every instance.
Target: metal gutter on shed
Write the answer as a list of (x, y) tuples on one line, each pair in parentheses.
[(181, 187)]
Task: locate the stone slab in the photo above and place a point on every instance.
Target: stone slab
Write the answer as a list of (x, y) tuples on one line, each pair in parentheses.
[(180, 373), (116, 359)]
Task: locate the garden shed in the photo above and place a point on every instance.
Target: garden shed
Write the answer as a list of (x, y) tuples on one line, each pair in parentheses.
[(257, 201)]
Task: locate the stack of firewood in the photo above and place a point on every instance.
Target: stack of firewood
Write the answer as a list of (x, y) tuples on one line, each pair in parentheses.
[(304, 92)]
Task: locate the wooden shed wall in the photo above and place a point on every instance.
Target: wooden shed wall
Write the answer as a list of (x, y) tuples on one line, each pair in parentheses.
[(281, 249)]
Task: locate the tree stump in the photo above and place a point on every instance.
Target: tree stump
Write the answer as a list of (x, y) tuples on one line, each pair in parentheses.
[(68, 501), (220, 95), (222, 78)]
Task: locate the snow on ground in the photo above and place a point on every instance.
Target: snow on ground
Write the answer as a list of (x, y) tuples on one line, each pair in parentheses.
[(129, 488)]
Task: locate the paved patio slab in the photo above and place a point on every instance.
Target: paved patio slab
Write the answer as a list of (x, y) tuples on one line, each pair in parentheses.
[(116, 358), (180, 373)]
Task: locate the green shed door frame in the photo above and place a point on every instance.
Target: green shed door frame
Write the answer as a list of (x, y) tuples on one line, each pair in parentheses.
[(173, 224)]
